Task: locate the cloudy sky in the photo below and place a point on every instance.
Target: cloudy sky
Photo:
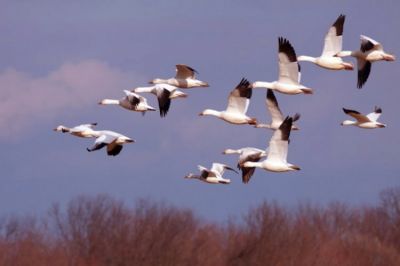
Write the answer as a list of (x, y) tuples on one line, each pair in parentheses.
[(59, 58)]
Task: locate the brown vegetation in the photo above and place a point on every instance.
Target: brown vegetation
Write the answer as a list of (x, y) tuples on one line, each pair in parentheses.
[(102, 231)]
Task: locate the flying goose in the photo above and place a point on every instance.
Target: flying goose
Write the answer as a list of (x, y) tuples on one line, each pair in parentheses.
[(364, 121), (112, 140), (132, 101), (238, 103), (370, 51), (332, 46), (164, 93), (289, 72), (247, 154), (83, 131), (277, 152), (212, 176), (276, 114), (184, 78)]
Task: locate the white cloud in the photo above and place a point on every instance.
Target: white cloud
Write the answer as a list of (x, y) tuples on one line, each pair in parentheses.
[(24, 98)]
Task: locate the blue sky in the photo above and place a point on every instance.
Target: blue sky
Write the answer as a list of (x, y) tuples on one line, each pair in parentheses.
[(58, 59)]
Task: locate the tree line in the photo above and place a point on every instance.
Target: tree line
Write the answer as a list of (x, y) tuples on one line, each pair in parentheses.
[(100, 230)]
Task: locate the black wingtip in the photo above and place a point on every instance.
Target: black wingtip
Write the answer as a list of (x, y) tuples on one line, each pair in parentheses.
[(270, 94), (296, 117), (378, 110), (348, 111), (244, 88), (188, 67), (339, 24), (285, 127), (286, 47), (244, 83)]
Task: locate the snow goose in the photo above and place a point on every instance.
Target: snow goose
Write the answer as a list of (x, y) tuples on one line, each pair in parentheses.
[(370, 51), (164, 93), (212, 176), (364, 121), (184, 78), (277, 152), (83, 131), (332, 46), (238, 103), (276, 114), (132, 101), (247, 154), (112, 140), (289, 72)]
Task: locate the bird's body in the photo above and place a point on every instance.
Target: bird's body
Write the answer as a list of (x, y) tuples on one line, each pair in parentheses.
[(276, 114), (370, 51), (364, 121), (238, 103), (164, 94), (83, 131), (132, 101), (247, 154), (213, 175), (277, 151), (110, 139), (185, 78), (332, 46), (289, 72)]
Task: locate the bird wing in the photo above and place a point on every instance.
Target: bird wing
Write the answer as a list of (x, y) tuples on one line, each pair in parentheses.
[(185, 72), (220, 168), (368, 44), (273, 107), (114, 149), (133, 98), (105, 138), (91, 125), (253, 155), (149, 89), (364, 68), (239, 98), (374, 116), (84, 127), (278, 145), (101, 141), (296, 117), (334, 38), (357, 115), (289, 68), (204, 172), (164, 102)]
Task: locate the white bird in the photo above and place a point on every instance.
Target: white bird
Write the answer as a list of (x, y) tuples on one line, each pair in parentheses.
[(276, 114), (83, 131), (332, 46), (112, 140), (278, 150), (212, 176), (185, 78), (238, 103), (164, 93), (364, 121), (370, 51), (247, 154), (289, 72), (132, 101)]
